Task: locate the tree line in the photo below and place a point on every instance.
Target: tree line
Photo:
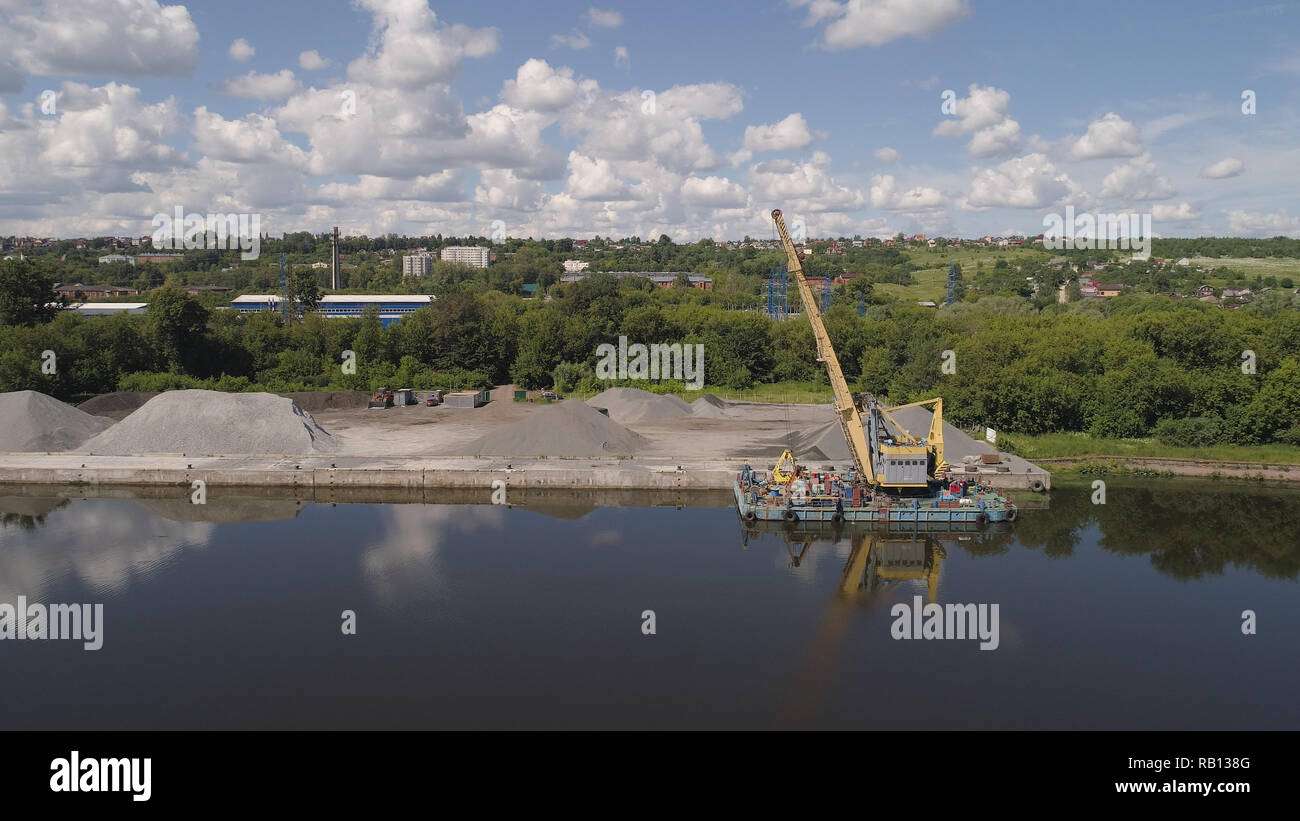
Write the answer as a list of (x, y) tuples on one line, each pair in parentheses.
[(1131, 366)]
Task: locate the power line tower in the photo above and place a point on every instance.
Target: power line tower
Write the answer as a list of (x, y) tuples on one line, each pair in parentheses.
[(771, 293), (826, 294), (781, 282)]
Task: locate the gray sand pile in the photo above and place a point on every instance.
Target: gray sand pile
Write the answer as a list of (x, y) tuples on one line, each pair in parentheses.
[(202, 423), (117, 405), (709, 406), (627, 405), (313, 401), (571, 428), (823, 442), (34, 422)]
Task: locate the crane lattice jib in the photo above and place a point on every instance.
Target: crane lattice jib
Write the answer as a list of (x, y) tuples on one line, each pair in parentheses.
[(845, 410)]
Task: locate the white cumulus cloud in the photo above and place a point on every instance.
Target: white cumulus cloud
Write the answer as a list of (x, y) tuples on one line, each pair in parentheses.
[(791, 133), (858, 23), (1224, 168), (1111, 136), (241, 51)]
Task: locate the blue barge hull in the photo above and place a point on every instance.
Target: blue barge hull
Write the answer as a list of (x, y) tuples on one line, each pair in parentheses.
[(925, 510)]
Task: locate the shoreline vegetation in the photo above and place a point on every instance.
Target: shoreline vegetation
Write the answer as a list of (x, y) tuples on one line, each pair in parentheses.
[(1173, 364)]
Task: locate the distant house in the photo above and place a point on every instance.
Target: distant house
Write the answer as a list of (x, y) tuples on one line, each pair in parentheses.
[(1184, 262), (159, 259), (109, 259), (661, 280), (195, 290), (530, 290), (1236, 293), (1204, 290), (82, 293), (1108, 291), (573, 266), (927, 305)]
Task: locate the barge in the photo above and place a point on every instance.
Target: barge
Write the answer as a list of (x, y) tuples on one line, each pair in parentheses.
[(835, 499)]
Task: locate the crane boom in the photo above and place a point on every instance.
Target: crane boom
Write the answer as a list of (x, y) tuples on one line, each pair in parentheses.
[(845, 409)]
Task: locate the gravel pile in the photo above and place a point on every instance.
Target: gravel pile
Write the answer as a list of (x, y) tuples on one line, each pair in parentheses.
[(201, 423), (34, 422), (709, 406), (117, 405), (819, 443), (571, 428), (313, 401), (628, 405)]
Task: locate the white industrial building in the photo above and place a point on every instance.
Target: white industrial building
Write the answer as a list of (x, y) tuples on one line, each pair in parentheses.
[(108, 308)]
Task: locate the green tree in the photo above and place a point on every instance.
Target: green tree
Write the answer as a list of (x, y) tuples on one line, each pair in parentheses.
[(179, 323), (27, 294), (303, 289)]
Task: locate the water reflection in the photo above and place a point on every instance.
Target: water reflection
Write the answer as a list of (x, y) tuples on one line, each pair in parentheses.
[(101, 543)]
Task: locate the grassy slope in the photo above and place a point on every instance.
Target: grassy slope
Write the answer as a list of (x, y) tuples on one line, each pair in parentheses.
[(1250, 266), (1052, 445), (932, 278)]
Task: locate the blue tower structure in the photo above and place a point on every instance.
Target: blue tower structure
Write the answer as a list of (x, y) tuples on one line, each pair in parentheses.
[(781, 282), (952, 282)]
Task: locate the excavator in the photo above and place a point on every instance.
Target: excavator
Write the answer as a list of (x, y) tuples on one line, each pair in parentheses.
[(885, 458)]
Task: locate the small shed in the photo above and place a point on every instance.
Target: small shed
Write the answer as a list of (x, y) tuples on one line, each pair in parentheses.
[(466, 399)]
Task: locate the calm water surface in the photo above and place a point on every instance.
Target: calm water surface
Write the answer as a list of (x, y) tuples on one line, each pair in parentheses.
[(1123, 615)]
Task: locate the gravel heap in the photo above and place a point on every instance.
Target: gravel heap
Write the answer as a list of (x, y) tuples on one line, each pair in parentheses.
[(117, 405), (31, 421), (709, 406), (313, 401), (627, 405), (202, 423), (818, 443), (571, 428)]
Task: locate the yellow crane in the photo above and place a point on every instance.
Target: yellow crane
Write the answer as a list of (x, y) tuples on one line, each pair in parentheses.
[(845, 409), (907, 463)]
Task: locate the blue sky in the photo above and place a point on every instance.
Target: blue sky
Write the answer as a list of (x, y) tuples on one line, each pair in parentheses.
[(522, 116)]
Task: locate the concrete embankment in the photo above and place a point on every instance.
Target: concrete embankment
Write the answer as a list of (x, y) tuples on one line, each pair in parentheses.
[(338, 472)]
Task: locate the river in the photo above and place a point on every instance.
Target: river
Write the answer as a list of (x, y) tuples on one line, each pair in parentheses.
[(559, 612)]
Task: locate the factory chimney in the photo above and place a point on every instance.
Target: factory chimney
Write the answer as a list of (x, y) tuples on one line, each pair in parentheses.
[(334, 260)]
